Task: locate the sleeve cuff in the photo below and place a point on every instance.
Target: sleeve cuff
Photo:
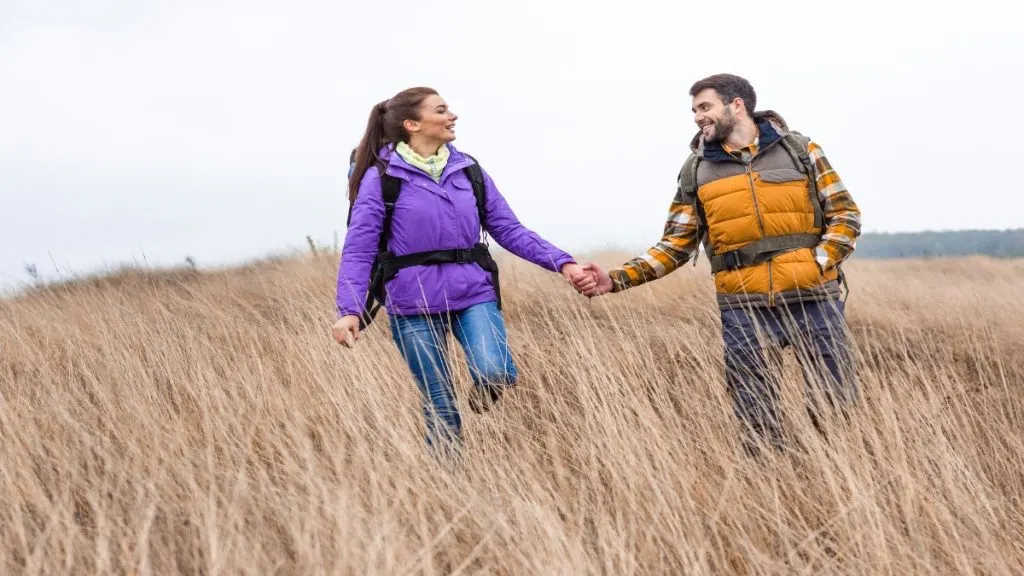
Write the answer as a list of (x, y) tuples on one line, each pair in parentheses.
[(562, 261), (619, 279), (349, 312), (822, 259)]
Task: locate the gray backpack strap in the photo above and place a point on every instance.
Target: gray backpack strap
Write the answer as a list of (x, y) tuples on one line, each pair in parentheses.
[(761, 250), (687, 184), (797, 145), (688, 177)]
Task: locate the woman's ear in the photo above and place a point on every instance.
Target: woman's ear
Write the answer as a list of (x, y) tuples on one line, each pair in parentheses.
[(411, 126)]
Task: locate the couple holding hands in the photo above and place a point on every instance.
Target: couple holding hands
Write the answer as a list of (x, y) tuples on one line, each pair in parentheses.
[(771, 213)]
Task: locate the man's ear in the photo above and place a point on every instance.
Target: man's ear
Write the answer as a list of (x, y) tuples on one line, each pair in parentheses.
[(738, 106)]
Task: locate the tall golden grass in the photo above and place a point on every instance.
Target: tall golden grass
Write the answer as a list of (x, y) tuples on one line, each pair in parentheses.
[(185, 422)]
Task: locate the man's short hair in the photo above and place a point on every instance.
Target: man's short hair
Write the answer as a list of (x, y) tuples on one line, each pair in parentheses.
[(729, 87)]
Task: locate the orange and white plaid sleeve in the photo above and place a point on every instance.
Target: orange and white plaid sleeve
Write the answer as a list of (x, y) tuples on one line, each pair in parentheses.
[(841, 214), (678, 243)]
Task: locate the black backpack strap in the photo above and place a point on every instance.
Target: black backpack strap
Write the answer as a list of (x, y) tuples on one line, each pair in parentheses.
[(476, 178), (390, 186), (391, 264)]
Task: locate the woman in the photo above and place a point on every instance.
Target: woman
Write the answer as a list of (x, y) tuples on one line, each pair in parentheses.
[(409, 138)]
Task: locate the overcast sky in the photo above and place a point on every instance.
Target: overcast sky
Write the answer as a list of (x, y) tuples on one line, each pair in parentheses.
[(134, 130)]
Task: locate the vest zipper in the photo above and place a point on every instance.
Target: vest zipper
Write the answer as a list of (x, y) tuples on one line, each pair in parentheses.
[(760, 227), (753, 196), (771, 285)]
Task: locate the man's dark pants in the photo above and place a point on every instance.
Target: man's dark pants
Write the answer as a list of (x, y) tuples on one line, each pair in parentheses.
[(818, 333)]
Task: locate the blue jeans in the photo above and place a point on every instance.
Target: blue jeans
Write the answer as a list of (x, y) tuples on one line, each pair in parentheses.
[(818, 333), (423, 343)]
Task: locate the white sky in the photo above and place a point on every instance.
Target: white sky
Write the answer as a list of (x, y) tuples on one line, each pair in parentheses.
[(136, 130)]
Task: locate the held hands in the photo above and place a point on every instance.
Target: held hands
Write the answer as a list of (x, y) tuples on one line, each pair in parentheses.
[(589, 280)]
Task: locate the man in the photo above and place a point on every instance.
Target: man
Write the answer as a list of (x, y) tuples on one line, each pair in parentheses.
[(776, 223)]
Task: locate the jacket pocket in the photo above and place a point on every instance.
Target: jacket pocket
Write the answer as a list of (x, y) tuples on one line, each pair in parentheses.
[(466, 212), (779, 175)]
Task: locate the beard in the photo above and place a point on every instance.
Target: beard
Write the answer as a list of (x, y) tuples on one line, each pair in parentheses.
[(723, 128)]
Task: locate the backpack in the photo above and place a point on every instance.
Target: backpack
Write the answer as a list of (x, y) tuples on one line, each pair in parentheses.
[(386, 264)]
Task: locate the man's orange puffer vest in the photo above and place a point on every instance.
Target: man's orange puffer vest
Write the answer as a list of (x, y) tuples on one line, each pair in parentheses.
[(760, 219)]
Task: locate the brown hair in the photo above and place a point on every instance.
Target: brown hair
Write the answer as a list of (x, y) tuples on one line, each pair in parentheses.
[(729, 88), (385, 126)]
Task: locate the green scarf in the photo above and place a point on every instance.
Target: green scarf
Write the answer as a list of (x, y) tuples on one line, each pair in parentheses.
[(433, 165)]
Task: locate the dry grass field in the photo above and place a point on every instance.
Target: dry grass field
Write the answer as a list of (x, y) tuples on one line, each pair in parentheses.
[(206, 423)]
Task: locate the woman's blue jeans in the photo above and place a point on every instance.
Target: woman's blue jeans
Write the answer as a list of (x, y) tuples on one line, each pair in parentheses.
[(423, 343)]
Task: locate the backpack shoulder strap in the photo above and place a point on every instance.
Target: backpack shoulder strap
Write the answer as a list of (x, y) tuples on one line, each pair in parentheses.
[(389, 189), (797, 145), (476, 178), (687, 183), (688, 177), (390, 186)]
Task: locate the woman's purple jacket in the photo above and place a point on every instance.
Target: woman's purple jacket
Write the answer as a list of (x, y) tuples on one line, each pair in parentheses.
[(432, 216)]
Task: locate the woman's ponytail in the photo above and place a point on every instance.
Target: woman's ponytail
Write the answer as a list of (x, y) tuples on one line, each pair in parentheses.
[(366, 153), (385, 126)]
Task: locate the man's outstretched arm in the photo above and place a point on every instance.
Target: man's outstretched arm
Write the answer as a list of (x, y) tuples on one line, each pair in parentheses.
[(678, 243)]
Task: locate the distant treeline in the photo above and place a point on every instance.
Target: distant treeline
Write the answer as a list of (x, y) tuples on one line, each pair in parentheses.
[(997, 243)]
